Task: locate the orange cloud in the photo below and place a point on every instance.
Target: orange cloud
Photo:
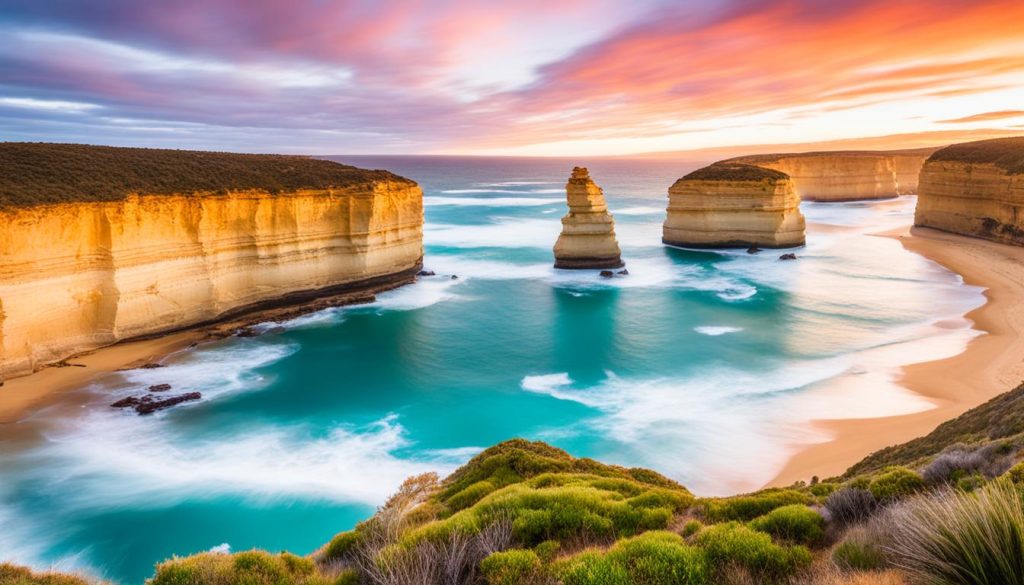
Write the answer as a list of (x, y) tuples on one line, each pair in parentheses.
[(986, 117)]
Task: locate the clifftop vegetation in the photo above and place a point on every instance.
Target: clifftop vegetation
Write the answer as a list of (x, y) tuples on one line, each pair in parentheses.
[(726, 171), (41, 173), (1005, 153)]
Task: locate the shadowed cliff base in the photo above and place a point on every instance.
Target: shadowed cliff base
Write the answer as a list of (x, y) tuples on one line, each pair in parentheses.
[(34, 173)]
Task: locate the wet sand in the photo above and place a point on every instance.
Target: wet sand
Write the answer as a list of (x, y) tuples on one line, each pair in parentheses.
[(991, 364)]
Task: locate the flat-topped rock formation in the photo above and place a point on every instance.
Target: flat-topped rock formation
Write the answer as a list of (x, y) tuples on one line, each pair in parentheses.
[(846, 175), (105, 244), (975, 189), (729, 205), (588, 230)]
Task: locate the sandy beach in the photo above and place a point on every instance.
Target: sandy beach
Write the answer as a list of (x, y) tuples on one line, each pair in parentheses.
[(991, 364)]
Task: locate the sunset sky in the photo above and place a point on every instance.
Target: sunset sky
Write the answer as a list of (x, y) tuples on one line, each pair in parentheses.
[(531, 77)]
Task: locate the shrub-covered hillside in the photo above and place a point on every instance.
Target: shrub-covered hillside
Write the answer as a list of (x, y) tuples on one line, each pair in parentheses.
[(39, 173), (944, 509)]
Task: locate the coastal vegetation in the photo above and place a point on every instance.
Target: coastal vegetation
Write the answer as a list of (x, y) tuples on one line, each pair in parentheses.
[(1005, 153), (528, 513), (43, 173)]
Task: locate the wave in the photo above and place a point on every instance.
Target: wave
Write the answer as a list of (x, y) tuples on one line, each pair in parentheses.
[(716, 331), (489, 201), (639, 210)]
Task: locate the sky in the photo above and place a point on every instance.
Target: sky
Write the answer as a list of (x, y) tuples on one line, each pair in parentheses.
[(529, 77)]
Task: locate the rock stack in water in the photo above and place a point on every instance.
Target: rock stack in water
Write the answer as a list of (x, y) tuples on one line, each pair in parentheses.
[(729, 205), (975, 189), (588, 230)]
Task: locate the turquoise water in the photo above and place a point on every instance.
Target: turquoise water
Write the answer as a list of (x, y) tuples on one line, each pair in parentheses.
[(706, 366)]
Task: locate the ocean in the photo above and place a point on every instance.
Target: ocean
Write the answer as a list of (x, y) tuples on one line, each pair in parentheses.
[(707, 366)]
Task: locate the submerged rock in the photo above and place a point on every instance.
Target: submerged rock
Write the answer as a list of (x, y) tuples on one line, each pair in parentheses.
[(753, 250), (607, 274), (150, 406), (787, 257), (159, 387), (588, 230), (426, 273)]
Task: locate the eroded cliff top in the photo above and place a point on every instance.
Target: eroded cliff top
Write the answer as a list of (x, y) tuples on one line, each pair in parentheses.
[(734, 172), (755, 158), (40, 173), (1005, 153)]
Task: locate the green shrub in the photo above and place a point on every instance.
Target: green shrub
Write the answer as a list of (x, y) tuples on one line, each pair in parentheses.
[(796, 523), (860, 550), (547, 550), (895, 483), (732, 543), (14, 575), (691, 527), (471, 495), (347, 577), (340, 545), (823, 490), (253, 567), (1016, 473), (969, 483), (957, 538), (751, 506), (513, 567), (653, 558)]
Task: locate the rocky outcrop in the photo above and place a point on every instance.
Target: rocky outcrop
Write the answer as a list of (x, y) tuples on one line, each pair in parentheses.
[(78, 275), (729, 205), (975, 189), (588, 230), (846, 175)]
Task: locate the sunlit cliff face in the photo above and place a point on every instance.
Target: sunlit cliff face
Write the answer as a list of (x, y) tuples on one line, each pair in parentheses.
[(532, 77)]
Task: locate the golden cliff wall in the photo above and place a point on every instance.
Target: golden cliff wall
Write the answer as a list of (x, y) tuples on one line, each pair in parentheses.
[(733, 205), (972, 196), (834, 176), (77, 276)]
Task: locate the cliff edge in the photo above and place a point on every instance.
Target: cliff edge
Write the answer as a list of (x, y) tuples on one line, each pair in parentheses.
[(975, 189), (106, 244)]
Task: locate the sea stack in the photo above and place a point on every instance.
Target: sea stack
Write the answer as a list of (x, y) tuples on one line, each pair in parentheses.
[(588, 230), (728, 205), (975, 189)]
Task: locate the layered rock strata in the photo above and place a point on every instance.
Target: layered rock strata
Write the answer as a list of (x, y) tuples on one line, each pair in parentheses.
[(733, 205), (112, 255), (846, 175), (975, 189), (588, 230)]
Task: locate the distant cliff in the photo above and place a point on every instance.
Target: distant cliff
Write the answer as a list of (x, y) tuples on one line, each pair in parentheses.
[(733, 205), (106, 244), (975, 189), (846, 175)]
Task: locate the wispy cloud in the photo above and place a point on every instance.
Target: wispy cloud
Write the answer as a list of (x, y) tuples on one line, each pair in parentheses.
[(986, 117)]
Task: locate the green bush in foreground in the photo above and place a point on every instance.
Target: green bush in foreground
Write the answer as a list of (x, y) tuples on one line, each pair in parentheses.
[(14, 575), (751, 506), (340, 545), (860, 550), (895, 483), (245, 568), (796, 523), (514, 567), (735, 544), (957, 538), (653, 558)]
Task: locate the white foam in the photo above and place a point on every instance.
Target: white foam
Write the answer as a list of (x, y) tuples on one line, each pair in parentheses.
[(716, 331), (639, 210), (424, 293), (489, 201), (515, 183)]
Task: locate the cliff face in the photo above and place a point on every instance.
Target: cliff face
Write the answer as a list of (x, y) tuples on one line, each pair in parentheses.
[(975, 189), (80, 275), (733, 205), (588, 230)]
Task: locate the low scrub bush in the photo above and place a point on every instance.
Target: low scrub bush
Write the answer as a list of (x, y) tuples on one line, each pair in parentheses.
[(690, 528), (751, 506), (547, 550), (14, 575), (1016, 473), (862, 549), (340, 546), (514, 567), (951, 466), (653, 558), (795, 523), (734, 544), (958, 538), (895, 483), (850, 505), (251, 568)]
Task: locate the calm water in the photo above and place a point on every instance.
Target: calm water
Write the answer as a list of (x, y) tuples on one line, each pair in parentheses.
[(705, 366)]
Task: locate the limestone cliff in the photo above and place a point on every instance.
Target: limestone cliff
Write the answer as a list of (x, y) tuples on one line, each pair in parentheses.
[(975, 189), (588, 230), (78, 275), (733, 205), (846, 175)]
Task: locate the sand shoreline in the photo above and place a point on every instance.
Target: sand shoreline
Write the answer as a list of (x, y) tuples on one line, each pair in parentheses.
[(990, 365)]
